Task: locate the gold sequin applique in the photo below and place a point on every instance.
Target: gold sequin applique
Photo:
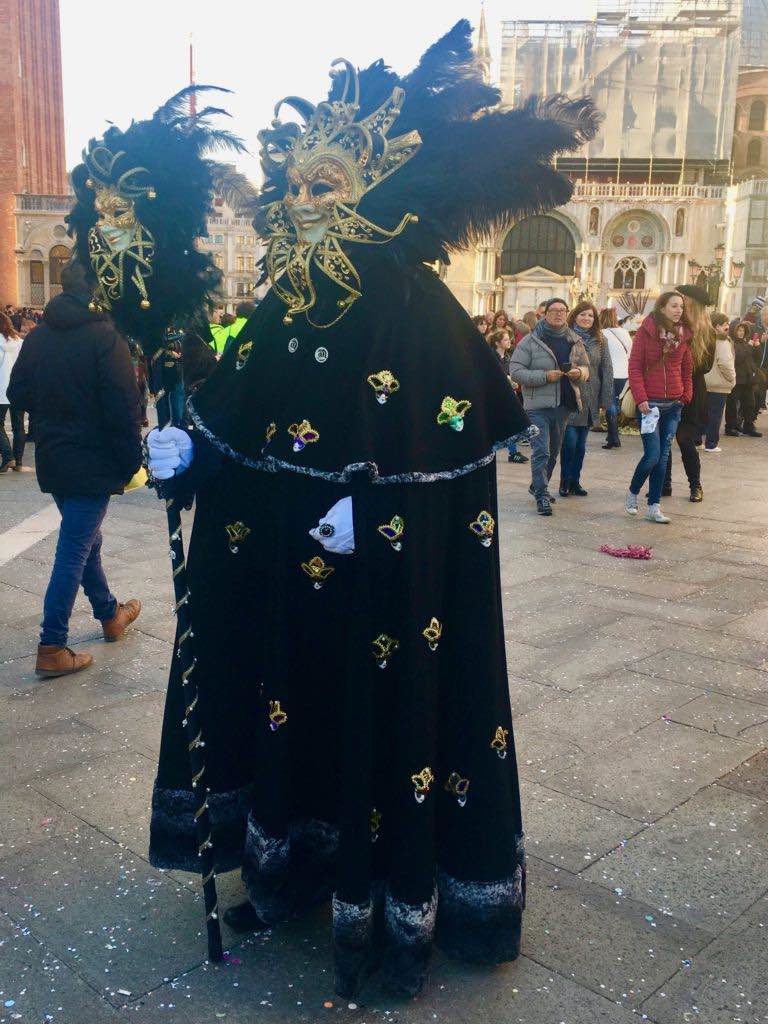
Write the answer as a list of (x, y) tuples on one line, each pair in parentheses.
[(384, 647), (236, 534), (270, 432), (458, 787), (375, 824), (317, 571), (421, 782), (303, 434), (432, 633), (385, 384), (277, 716), (393, 531), (499, 741), (243, 351), (483, 528), (453, 411)]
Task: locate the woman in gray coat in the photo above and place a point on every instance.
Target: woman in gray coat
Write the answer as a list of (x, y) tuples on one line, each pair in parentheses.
[(596, 394)]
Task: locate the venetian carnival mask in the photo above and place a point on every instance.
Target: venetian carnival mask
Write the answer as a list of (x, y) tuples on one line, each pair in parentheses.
[(120, 247), (328, 163)]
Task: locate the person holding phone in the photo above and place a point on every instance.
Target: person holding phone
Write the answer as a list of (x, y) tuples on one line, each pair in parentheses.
[(660, 377), (550, 364)]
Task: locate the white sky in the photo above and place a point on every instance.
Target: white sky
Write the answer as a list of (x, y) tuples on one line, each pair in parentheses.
[(121, 61)]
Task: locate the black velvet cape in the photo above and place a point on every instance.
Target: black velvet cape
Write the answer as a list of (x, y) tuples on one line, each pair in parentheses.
[(385, 782)]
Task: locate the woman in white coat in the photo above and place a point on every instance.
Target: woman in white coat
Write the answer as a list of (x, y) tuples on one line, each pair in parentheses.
[(619, 345), (720, 381), (10, 346)]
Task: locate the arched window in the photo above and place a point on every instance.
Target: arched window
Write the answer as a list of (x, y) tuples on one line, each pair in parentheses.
[(680, 223), (594, 221), (757, 116), (539, 242), (57, 257), (629, 274), (754, 153), (36, 279)]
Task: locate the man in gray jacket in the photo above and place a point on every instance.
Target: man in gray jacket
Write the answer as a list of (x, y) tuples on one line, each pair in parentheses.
[(549, 363)]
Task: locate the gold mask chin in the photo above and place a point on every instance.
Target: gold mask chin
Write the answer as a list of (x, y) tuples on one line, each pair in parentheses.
[(328, 165)]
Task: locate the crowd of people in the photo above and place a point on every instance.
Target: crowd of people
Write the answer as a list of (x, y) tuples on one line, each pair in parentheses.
[(672, 376)]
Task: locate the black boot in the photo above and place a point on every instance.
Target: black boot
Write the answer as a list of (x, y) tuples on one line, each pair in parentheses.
[(564, 489), (697, 494), (577, 489), (243, 918), (543, 505)]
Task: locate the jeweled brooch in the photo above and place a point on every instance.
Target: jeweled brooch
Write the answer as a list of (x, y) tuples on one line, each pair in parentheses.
[(453, 411), (393, 531), (421, 782), (432, 633), (236, 534), (243, 352), (270, 432), (458, 787), (303, 434), (483, 528), (385, 384), (375, 824), (383, 647), (499, 742), (277, 716), (317, 571)]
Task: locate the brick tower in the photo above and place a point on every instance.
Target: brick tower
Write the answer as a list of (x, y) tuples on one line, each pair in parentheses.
[(31, 117)]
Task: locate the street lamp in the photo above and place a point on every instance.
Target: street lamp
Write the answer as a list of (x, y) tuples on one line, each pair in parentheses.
[(719, 252), (713, 273)]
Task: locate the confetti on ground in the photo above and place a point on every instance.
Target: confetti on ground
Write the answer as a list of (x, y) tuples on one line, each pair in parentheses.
[(638, 551)]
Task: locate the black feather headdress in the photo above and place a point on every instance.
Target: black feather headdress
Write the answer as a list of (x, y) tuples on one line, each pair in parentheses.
[(477, 166), (142, 198)]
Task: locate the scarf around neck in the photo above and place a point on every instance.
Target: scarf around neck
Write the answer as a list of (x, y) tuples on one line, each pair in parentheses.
[(546, 333)]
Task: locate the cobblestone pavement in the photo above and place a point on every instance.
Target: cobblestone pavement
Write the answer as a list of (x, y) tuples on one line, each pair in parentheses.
[(640, 692)]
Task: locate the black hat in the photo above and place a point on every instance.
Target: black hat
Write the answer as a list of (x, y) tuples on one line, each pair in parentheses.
[(693, 291)]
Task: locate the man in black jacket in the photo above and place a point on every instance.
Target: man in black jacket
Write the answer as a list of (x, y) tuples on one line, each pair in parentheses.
[(75, 377)]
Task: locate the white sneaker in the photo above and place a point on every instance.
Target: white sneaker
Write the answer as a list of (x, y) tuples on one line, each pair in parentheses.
[(655, 515), (630, 505), (716, 449)]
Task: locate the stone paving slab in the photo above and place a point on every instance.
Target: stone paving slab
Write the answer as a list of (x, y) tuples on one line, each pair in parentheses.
[(701, 673), (36, 986), (617, 947), (38, 752), (750, 778), (724, 716), (727, 982), (652, 771), (717, 838), (28, 818), (570, 833), (710, 643)]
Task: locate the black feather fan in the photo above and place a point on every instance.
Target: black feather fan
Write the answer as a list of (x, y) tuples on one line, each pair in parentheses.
[(170, 147)]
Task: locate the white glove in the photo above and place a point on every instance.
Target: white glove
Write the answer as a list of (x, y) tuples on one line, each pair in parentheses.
[(335, 531), (170, 452)]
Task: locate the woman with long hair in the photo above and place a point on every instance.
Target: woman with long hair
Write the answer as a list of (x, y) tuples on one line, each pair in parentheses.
[(720, 382), (619, 342), (661, 379), (481, 323), (10, 346), (500, 342), (500, 321), (693, 420), (596, 394)]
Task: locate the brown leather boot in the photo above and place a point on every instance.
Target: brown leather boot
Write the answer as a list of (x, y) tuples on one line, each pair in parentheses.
[(124, 616), (60, 661)]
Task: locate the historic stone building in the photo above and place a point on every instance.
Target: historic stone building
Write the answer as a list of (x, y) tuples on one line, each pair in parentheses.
[(32, 165), (653, 203)]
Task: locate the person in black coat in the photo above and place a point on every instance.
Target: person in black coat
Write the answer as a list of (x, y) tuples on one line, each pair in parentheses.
[(74, 375), (740, 411)]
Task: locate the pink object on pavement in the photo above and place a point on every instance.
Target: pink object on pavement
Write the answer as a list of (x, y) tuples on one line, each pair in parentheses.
[(631, 551)]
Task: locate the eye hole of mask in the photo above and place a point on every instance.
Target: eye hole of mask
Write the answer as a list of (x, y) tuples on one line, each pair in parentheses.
[(321, 188)]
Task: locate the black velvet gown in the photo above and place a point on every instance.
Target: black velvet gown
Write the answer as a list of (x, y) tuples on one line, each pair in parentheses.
[(355, 711)]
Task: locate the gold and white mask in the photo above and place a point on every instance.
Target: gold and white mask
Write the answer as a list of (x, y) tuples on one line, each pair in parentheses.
[(329, 163), (118, 243)]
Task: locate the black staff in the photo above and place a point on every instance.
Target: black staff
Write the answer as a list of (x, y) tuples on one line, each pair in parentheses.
[(166, 375)]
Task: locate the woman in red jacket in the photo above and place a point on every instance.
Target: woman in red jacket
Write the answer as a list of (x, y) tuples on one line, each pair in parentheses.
[(661, 377)]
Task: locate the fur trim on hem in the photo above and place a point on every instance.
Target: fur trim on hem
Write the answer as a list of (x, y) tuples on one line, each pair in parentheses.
[(269, 464), (173, 836)]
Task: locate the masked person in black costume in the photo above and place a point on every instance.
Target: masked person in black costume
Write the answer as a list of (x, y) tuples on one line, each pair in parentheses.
[(344, 570)]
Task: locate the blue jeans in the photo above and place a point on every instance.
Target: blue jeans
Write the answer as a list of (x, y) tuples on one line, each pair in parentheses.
[(545, 448), (715, 408), (612, 414), (572, 455), (77, 561), (656, 448)]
